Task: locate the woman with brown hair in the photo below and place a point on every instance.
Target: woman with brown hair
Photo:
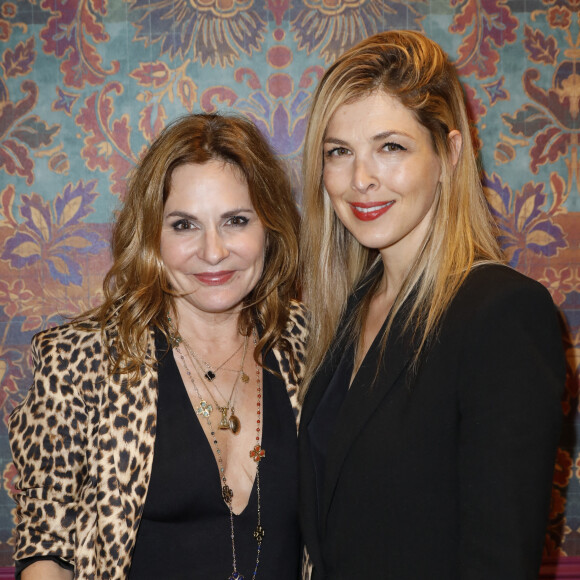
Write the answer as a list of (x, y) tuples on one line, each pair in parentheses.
[(158, 439), (434, 372)]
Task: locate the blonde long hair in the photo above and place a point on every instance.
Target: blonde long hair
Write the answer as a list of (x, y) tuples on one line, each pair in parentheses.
[(138, 295), (413, 69)]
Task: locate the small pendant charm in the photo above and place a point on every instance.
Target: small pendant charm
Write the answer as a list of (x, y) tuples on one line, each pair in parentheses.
[(224, 421), (259, 534), (227, 494), (236, 576), (204, 409), (234, 424), (245, 378), (210, 375), (257, 453)]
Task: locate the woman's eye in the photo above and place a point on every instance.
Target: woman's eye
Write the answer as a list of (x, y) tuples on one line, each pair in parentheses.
[(393, 147), (337, 152), (183, 225), (237, 220)]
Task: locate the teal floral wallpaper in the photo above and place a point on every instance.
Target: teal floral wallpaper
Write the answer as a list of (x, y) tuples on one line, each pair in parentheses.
[(86, 85)]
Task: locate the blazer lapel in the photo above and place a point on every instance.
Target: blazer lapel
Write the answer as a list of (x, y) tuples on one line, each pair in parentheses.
[(308, 493), (132, 423), (328, 367), (363, 399), (318, 387)]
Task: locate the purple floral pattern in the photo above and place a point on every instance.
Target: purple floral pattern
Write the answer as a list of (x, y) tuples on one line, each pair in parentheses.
[(524, 226), (51, 236), (86, 85)]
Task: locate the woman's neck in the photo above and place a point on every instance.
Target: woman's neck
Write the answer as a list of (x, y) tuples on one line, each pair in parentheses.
[(391, 282), (213, 330)]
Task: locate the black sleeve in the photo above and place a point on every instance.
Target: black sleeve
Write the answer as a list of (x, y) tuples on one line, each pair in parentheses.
[(513, 377)]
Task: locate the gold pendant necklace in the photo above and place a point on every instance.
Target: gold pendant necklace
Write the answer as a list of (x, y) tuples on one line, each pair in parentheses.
[(231, 423)]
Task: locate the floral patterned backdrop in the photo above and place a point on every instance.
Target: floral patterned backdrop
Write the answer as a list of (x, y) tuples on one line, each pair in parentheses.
[(86, 85)]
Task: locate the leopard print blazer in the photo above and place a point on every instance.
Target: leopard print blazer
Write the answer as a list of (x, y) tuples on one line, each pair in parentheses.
[(83, 441)]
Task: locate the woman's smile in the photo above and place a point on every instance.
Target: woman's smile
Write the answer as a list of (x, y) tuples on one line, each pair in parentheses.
[(370, 211), (215, 278)]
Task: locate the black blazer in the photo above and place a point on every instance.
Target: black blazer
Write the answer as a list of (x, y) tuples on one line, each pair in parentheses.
[(446, 473)]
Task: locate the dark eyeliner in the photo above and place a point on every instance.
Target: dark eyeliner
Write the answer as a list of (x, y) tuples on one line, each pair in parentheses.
[(394, 146), (181, 225), (243, 221)]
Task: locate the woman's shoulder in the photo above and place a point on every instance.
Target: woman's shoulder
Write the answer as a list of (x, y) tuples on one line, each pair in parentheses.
[(68, 338), (495, 294), (489, 282)]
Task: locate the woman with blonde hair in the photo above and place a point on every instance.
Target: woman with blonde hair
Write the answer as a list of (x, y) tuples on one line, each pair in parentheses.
[(434, 372), (158, 439)]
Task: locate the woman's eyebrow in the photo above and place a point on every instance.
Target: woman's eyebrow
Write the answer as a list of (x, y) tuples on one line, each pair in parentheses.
[(237, 211), (181, 214), (227, 214)]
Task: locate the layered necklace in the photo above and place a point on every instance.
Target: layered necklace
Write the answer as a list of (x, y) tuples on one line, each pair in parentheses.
[(257, 453), (233, 422), (210, 374)]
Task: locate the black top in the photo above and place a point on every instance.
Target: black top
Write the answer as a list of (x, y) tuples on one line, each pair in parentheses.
[(185, 528)]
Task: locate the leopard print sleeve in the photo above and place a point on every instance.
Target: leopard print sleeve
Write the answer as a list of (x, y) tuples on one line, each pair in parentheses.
[(48, 441)]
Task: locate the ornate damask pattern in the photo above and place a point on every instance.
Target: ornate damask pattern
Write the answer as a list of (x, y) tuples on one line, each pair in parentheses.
[(327, 26), (213, 31), (86, 85)]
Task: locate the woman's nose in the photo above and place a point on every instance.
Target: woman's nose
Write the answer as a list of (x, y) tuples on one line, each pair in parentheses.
[(213, 249), (363, 175)]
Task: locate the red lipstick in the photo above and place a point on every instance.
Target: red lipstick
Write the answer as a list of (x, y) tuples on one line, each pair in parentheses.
[(370, 211), (214, 278)]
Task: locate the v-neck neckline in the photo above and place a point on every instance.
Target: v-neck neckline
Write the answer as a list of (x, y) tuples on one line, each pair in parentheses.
[(192, 415)]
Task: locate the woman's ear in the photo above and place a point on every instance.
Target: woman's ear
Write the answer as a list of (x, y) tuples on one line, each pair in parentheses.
[(455, 143)]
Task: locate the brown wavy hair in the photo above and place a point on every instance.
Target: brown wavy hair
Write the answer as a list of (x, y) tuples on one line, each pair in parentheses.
[(138, 295), (413, 69)]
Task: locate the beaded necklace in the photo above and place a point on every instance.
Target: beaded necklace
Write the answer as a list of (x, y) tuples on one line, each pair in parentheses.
[(257, 453)]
